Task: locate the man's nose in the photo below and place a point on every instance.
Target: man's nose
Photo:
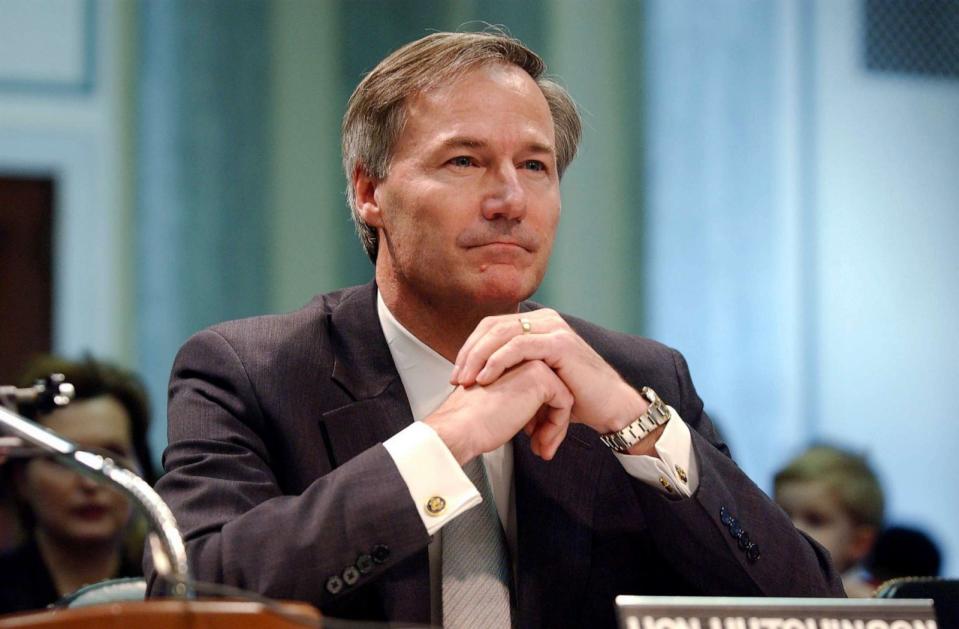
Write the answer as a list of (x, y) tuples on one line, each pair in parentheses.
[(506, 197)]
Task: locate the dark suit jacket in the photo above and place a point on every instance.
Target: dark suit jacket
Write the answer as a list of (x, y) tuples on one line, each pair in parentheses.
[(26, 582), (279, 480)]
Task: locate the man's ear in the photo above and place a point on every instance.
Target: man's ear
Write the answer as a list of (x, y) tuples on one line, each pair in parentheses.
[(364, 191)]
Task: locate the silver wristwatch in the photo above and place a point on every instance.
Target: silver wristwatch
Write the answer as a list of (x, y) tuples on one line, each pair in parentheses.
[(656, 415)]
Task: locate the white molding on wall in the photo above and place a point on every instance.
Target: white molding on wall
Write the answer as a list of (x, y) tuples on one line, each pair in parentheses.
[(47, 47), (79, 143)]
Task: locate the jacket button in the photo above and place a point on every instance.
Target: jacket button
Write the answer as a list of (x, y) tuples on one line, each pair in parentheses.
[(752, 553), (725, 517), (351, 575), (744, 542), (334, 584), (380, 553), (735, 530), (364, 563)]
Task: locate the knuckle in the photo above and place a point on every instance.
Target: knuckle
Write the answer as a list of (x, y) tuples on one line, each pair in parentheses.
[(487, 321), (541, 372), (537, 367), (568, 336), (495, 361)]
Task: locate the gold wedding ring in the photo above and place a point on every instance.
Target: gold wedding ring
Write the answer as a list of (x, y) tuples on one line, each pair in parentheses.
[(526, 325)]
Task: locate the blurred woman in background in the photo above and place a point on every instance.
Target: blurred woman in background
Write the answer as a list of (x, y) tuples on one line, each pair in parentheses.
[(77, 531)]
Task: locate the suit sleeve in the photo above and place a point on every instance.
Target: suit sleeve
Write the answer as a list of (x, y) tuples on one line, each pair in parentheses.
[(353, 522), (729, 538)]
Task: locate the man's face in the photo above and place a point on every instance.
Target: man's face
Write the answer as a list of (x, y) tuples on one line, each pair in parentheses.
[(468, 211)]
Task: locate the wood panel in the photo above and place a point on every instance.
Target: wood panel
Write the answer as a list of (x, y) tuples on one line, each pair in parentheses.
[(26, 286)]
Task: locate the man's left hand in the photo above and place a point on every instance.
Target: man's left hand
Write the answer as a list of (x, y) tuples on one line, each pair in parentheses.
[(603, 400)]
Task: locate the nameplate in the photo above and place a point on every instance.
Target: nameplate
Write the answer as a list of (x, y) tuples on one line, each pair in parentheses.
[(693, 612)]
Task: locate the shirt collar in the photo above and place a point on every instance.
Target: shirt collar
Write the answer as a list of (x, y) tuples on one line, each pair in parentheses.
[(424, 373)]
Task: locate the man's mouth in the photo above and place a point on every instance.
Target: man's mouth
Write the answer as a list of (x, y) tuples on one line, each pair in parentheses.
[(504, 244), (488, 239)]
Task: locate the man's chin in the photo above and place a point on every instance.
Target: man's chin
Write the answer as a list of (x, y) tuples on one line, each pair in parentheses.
[(503, 289)]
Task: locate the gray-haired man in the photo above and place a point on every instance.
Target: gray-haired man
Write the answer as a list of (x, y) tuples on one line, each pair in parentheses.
[(340, 454)]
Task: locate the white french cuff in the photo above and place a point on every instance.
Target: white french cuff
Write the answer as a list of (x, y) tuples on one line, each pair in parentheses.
[(439, 487), (676, 471)]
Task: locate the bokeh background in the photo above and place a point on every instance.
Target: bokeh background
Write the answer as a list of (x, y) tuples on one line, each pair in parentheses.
[(770, 187)]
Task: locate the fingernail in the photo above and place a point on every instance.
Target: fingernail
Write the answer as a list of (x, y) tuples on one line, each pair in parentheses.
[(482, 375), (456, 371)]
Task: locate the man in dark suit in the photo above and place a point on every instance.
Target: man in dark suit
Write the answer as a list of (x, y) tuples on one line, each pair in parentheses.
[(431, 446)]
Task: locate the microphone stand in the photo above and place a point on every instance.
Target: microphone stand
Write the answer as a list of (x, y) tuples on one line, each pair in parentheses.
[(166, 544)]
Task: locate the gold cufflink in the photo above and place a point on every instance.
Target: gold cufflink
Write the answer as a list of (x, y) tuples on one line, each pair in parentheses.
[(682, 473), (665, 484), (435, 505)]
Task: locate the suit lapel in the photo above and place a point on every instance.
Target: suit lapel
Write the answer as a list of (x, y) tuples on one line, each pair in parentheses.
[(363, 367)]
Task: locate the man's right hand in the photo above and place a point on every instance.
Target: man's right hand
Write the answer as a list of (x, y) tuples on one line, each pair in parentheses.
[(479, 419)]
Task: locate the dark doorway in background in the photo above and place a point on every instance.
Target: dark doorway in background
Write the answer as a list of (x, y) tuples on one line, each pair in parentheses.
[(26, 285)]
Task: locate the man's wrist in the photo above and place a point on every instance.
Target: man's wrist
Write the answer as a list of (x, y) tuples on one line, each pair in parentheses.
[(640, 434), (647, 445), (453, 436), (633, 406)]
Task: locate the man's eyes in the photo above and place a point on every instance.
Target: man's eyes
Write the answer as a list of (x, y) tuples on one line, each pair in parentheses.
[(534, 165), (465, 161), (461, 161)]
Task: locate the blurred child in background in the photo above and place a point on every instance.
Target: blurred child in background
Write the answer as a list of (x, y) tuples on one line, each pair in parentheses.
[(835, 497)]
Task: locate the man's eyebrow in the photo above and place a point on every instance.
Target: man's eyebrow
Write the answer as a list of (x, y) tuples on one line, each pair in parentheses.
[(459, 141), (475, 143)]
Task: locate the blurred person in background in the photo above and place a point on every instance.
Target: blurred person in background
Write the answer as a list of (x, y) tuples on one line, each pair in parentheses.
[(835, 497), (76, 531)]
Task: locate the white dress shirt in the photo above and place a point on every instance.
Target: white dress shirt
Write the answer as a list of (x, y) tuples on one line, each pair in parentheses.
[(429, 468)]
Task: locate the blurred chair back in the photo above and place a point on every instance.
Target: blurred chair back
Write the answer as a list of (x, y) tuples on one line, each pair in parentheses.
[(943, 592)]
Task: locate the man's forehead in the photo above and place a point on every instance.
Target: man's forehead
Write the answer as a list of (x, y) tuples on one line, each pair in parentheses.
[(495, 90), (506, 75)]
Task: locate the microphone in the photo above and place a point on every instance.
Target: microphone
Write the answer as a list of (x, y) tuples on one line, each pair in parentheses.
[(165, 541), (46, 395)]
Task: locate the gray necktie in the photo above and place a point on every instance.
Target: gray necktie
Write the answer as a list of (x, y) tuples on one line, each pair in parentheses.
[(476, 569)]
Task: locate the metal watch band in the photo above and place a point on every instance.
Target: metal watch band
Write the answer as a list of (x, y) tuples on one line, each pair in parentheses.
[(656, 415)]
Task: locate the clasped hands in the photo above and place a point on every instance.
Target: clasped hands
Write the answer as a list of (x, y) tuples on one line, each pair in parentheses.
[(530, 371)]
